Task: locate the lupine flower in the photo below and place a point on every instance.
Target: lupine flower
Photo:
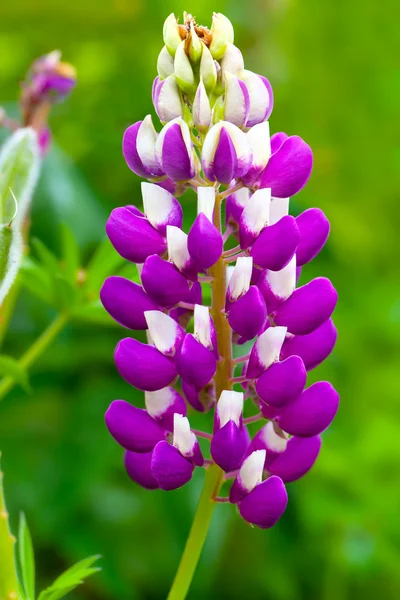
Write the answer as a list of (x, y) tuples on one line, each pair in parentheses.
[(215, 132)]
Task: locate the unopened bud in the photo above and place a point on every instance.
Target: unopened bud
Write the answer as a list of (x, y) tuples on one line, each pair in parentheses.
[(222, 34), (195, 46), (201, 108), (165, 64), (208, 70), (183, 70), (172, 39)]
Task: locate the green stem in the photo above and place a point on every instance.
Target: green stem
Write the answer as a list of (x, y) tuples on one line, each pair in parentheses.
[(37, 348), (8, 573), (214, 476), (7, 308)]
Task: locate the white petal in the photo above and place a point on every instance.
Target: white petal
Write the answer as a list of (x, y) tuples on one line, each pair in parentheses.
[(157, 403), (230, 407), (202, 325), (145, 144), (240, 280), (279, 208), (272, 440), (251, 471), (206, 201), (260, 141), (201, 107), (239, 141), (165, 63), (283, 282), (269, 344), (163, 329), (183, 438), (235, 109), (242, 196), (169, 103), (178, 252), (232, 61), (157, 203), (259, 97), (256, 212)]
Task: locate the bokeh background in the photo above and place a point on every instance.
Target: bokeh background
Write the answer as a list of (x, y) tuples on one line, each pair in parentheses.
[(336, 82)]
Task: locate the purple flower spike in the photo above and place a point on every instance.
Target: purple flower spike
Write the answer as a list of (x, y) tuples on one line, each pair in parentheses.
[(308, 307), (265, 351), (138, 147), (169, 468), (126, 302), (282, 382), (163, 404), (165, 333), (249, 476), (313, 348), (265, 504), (312, 412), (289, 169), (276, 245), (254, 217), (195, 364), (229, 440), (274, 443), (133, 428), (226, 153), (163, 282), (138, 467), (261, 97), (314, 231), (174, 151), (298, 458), (278, 286), (161, 208), (248, 314), (205, 242), (132, 236), (143, 366)]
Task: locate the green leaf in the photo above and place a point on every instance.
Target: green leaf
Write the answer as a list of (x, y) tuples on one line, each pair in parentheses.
[(105, 261), (46, 257), (37, 280), (11, 367), (70, 253), (70, 579), (93, 312), (26, 558)]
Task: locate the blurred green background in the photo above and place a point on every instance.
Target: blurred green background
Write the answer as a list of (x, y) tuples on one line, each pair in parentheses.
[(336, 82)]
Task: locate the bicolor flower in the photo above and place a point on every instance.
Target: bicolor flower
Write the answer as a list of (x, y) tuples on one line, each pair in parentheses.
[(230, 438), (205, 242), (174, 151), (138, 148), (226, 153), (260, 96), (167, 99)]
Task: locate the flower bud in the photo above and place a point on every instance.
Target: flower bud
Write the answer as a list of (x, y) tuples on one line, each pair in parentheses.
[(133, 428), (298, 458), (126, 302), (165, 64), (166, 334), (226, 153), (194, 45), (183, 70), (265, 505), (172, 39), (160, 207), (314, 347), (261, 97), (278, 286), (174, 151), (229, 440), (163, 404), (239, 281), (138, 148), (208, 70), (276, 244), (195, 363), (232, 62), (167, 99), (178, 253), (254, 217), (249, 476), (205, 241), (266, 351), (201, 108), (259, 141), (143, 366), (237, 101), (222, 34), (247, 315), (163, 282)]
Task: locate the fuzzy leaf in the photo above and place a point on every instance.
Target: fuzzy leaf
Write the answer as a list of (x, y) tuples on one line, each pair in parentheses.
[(26, 558)]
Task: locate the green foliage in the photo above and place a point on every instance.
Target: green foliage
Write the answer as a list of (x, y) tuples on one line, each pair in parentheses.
[(9, 366), (70, 579), (26, 559)]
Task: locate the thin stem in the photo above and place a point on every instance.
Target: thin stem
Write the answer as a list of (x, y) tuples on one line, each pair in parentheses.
[(214, 475), (240, 359), (253, 419), (227, 233), (231, 259), (37, 348), (205, 279), (231, 252), (221, 499), (203, 434), (232, 190), (187, 305), (240, 379)]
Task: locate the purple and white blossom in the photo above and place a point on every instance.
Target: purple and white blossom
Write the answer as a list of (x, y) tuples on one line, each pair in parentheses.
[(215, 139)]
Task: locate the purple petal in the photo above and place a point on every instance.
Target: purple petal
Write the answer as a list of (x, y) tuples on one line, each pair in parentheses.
[(298, 458), (202, 400), (175, 159), (163, 404), (228, 446), (169, 468), (143, 366), (225, 160), (270, 94), (234, 206), (132, 427), (138, 467), (289, 169), (314, 231), (205, 242), (129, 150), (308, 307), (282, 382), (126, 302), (132, 236), (312, 412), (163, 282), (265, 504), (269, 440), (276, 244), (161, 207), (269, 412), (277, 140), (314, 347), (248, 314), (195, 364)]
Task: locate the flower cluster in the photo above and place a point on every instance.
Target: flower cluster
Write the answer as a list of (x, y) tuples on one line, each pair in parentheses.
[(216, 132)]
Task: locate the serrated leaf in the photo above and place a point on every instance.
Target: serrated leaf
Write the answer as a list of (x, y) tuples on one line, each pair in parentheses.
[(11, 367), (26, 558), (105, 261), (70, 579), (70, 253)]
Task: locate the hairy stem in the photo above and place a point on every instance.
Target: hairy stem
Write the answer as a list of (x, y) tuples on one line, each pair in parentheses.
[(214, 475), (37, 348)]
